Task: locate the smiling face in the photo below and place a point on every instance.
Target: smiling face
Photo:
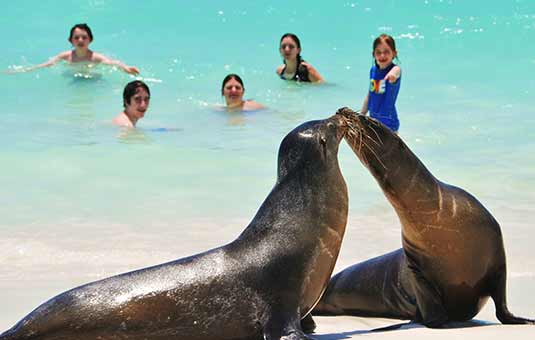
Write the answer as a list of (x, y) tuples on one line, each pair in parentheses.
[(383, 55), (233, 92), (80, 38), (138, 104), (289, 48)]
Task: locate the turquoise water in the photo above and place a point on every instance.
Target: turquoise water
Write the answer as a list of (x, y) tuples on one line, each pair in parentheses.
[(80, 196)]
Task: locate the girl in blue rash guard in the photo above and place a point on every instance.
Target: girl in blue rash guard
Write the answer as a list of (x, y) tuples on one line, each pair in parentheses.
[(385, 79)]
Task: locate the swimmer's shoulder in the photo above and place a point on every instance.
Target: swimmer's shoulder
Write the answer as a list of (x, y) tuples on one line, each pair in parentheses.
[(98, 57), (122, 120), (279, 69), (65, 55), (251, 105)]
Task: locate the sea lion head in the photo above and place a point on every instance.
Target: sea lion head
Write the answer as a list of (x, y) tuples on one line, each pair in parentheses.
[(311, 146), (377, 147)]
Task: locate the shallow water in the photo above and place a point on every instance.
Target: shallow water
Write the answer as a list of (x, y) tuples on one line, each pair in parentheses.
[(83, 199)]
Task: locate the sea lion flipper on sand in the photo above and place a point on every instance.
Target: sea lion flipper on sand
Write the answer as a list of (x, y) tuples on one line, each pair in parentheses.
[(284, 326), (307, 324), (500, 301), (431, 310)]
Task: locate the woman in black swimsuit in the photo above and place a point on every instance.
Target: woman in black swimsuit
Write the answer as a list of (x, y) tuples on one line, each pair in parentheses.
[(294, 67)]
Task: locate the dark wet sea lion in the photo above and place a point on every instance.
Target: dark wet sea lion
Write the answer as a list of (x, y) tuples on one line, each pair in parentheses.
[(256, 287), (452, 259)]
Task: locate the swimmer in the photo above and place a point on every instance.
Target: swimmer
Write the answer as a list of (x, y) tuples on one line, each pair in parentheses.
[(294, 67), (80, 38), (136, 97), (232, 89)]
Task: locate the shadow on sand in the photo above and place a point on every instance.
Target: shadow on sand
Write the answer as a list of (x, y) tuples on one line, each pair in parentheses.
[(398, 327)]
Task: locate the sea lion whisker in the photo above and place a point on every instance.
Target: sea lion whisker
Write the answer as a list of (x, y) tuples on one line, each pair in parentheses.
[(377, 158), (377, 135)]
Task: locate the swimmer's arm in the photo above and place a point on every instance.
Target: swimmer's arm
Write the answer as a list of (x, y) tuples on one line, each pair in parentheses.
[(364, 109), (393, 74), (99, 58), (313, 74), (279, 69), (52, 61)]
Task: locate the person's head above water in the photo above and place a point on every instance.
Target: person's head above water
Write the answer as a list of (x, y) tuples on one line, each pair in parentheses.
[(79, 28), (136, 98), (230, 77), (294, 67), (131, 89), (232, 89), (290, 47)]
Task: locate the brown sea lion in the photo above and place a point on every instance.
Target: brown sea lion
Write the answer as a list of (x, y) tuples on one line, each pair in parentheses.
[(452, 259)]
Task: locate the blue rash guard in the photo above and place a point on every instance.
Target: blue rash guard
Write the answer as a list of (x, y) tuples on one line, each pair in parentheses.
[(382, 97)]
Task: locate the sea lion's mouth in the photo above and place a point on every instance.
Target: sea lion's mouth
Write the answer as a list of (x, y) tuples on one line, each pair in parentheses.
[(361, 135)]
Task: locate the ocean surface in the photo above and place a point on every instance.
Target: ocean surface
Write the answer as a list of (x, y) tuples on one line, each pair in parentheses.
[(82, 199)]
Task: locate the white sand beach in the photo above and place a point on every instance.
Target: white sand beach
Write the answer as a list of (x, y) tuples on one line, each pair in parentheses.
[(37, 279)]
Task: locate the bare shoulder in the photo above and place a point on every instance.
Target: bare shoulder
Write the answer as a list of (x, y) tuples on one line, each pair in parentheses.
[(122, 120), (65, 55), (313, 74), (251, 105), (97, 57), (309, 67), (279, 69)]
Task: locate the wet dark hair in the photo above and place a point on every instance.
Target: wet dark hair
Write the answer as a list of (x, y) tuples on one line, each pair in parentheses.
[(130, 90), (388, 40), (297, 43), (82, 27), (229, 77)]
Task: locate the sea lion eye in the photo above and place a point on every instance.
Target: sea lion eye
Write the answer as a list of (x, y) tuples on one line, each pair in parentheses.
[(323, 140)]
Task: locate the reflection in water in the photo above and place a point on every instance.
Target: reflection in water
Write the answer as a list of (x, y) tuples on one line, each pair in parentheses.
[(82, 71), (132, 136), (235, 118)]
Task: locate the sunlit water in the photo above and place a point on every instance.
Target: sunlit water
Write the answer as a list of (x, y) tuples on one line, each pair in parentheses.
[(82, 199)]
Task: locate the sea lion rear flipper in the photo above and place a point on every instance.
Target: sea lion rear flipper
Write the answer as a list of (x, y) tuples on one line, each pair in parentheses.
[(499, 296)]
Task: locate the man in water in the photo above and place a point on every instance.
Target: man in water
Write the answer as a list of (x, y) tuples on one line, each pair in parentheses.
[(136, 97)]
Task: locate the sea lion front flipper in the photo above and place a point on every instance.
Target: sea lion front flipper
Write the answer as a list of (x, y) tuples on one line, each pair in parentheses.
[(429, 302), (284, 326), (499, 296), (307, 324)]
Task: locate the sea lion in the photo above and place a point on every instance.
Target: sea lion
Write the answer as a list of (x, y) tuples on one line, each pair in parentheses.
[(452, 259), (257, 287)]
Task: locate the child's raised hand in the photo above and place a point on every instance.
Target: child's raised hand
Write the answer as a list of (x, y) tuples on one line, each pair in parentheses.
[(393, 75)]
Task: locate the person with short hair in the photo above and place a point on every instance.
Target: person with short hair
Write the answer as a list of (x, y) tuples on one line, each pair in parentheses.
[(80, 37), (136, 98)]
